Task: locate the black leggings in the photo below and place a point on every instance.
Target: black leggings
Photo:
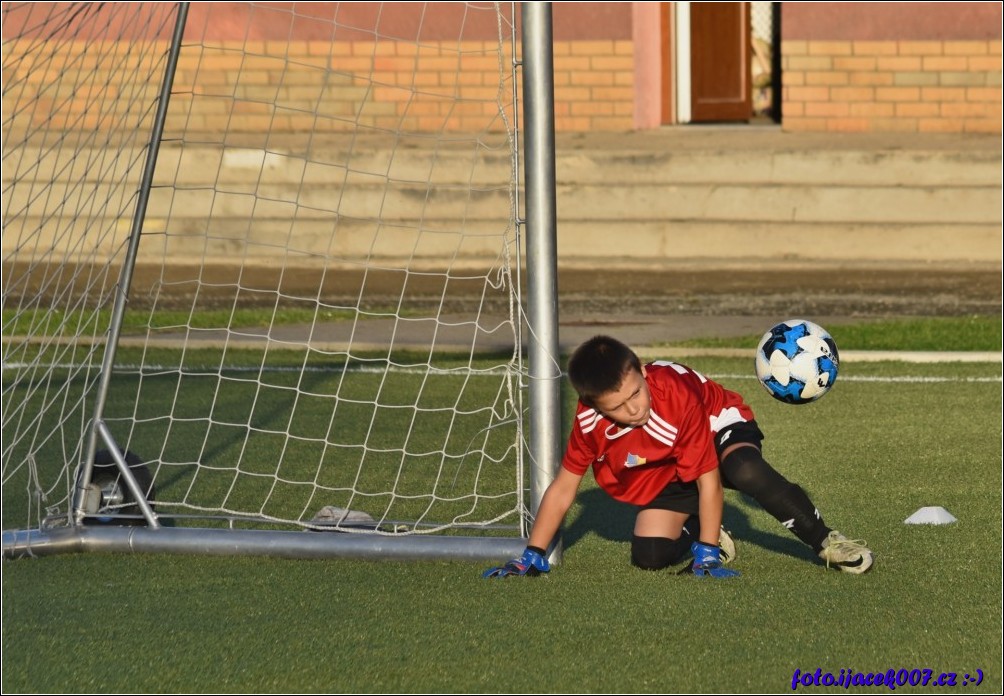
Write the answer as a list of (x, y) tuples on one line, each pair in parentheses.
[(656, 553), (746, 471)]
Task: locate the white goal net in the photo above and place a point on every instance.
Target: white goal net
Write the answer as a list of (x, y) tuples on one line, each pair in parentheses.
[(321, 318)]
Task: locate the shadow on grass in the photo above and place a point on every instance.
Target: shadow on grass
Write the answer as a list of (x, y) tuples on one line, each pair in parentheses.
[(614, 521)]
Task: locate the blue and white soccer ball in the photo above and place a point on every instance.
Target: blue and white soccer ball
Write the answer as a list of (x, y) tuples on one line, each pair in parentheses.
[(797, 361)]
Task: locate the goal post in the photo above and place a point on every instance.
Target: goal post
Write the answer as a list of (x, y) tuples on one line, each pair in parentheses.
[(542, 250), (291, 321), (98, 429)]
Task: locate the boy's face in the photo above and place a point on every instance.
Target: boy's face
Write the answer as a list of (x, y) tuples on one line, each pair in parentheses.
[(629, 404)]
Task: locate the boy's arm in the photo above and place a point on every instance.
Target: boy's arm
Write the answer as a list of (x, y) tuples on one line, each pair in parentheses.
[(553, 506), (558, 497), (707, 555), (711, 500)]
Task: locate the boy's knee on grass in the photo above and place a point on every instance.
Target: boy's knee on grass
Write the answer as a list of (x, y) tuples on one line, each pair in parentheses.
[(657, 553)]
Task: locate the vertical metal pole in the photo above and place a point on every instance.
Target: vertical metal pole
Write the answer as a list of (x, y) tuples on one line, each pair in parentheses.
[(541, 250), (125, 277), (775, 62)]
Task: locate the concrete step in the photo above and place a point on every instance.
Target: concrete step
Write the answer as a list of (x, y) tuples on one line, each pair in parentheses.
[(725, 243), (891, 168), (807, 204), (448, 208), (719, 197), (677, 195), (580, 242)]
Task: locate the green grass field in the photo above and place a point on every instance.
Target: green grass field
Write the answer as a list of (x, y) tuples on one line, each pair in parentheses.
[(981, 333), (889, 439)]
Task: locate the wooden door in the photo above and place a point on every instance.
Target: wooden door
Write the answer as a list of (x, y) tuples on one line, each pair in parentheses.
[(720, 62)]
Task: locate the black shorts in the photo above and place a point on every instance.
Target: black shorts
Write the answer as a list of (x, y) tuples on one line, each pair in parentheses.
[(747, 432), (676, 496)]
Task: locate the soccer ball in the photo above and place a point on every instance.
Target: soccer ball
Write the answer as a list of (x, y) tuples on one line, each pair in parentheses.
[(796, 361)]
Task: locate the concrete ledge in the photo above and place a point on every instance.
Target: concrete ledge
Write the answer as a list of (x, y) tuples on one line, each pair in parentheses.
[(671, 194)]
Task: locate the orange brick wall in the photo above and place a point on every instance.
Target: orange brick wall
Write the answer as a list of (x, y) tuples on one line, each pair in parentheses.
[(280, 86), (330, 87), (593, 86), (892, 66), (913, 86), (916, 67)]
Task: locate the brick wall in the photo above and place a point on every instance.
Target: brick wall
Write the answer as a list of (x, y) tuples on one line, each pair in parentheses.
[(915, 67), (914, 86), (331, 87), (593, 86), (279, 86)]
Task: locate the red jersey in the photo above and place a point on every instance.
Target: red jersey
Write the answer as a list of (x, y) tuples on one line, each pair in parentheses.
[(634, 464)]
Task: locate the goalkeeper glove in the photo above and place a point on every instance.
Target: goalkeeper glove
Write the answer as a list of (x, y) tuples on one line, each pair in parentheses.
[(708, 562), (532, 563)]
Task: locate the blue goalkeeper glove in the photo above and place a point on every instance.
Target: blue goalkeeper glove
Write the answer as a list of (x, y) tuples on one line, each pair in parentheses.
[(532, 563), (708, 562)]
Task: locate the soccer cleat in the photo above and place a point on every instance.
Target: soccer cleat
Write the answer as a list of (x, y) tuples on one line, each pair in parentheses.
[(847, 555), (727, 546)]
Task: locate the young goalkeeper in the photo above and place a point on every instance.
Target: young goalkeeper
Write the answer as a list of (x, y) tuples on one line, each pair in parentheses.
[(664, 438)]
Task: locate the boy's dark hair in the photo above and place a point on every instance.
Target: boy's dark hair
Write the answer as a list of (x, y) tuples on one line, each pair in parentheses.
[(598, 366)]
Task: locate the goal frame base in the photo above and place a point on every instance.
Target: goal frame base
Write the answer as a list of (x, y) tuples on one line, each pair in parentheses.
[(254, 542)]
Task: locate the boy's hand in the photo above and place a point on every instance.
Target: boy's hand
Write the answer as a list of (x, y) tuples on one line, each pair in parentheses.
[(531, 563), (708, 562)]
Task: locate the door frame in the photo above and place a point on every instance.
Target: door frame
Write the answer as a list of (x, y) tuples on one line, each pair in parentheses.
[(680, 73)]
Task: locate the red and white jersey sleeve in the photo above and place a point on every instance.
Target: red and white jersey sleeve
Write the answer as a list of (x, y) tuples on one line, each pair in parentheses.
[(722, 406), (634, 464)]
